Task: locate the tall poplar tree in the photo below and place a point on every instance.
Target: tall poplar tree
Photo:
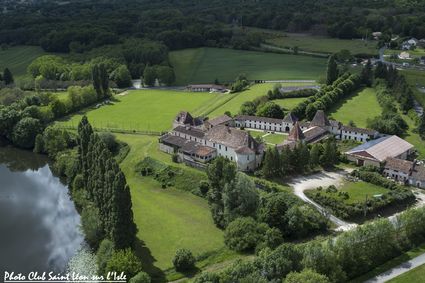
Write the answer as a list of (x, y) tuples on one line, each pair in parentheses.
[(332, 70)]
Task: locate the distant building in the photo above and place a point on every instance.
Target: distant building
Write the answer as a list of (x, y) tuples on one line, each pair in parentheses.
[(375, 152), (404, 55), (357, 134), (259, 123), (221, 120), (409, 44), (185, 119), (207, 88), (405, 171)]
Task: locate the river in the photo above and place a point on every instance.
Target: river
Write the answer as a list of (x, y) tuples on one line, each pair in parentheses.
[(39, 225)]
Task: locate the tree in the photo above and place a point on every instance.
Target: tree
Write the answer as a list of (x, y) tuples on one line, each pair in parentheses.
[(332, 70), (367, 74), (91, 225), (149, 76), (248, 108), (270, 110), (330, 154), (273, 238), (240, 198), (124, 261), (243, 234), (122, 77), (207, 277), (306, 276), (104, 254), (271, 163), (315, 155), (141, 277), (7, 77), (183, 260), (25, 132), (421, 127), (100, 80), (220, 172), (165, 75)]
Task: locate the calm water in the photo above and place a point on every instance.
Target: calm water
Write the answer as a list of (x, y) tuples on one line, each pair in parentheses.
[(38, 221)]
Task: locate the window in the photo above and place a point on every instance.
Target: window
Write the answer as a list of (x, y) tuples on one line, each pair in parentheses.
[(226, 148), (219, 146), (231, 158), (247, 157)]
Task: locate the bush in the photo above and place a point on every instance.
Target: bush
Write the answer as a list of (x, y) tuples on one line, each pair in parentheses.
[(183, 260), (25, 132), (207, 277), (91, 225), (243, 234), (104, 253), (124, 261), (110, 141), (306, 276), (141, 277)]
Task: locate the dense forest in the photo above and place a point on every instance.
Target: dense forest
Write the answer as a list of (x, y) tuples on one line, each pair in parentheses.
[(85, 24)]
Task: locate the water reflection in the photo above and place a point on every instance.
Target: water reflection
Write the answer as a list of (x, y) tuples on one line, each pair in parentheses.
[(38, 221)]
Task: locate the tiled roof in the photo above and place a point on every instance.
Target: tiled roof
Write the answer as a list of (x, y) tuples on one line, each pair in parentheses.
[(320, 119), (188, 130), (296, 134), (231, 137), (219, 120), (315, 134), (404, 166), (173, 140), (382, 148), (290, 118), (258, 118), (335, 124), (419, 172), (359, 130), (192, 147)]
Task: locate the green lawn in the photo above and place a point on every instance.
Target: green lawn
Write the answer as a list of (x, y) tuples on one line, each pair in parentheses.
[(275, 138), (167, 219), (358, 108), (18, 58), (322, 44), (152, 110), (416, 275), (413, 137), (237, 99), (416, 78), (418, 52), (204, 65), (289, 103), (359, 190)]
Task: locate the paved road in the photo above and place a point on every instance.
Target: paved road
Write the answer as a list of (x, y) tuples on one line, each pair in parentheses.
[(398, 270), (323, 179)]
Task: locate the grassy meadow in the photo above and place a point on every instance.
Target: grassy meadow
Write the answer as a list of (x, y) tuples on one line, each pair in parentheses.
[(322, 44), (359, 190), (204, 65), (18, 58), (416, 275), (167, 219), (358, 108), (416, 79), (289, 103), (146, 110)]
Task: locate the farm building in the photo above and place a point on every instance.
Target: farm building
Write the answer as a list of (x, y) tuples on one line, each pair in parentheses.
[(221, 120), (357, 134), (259, 123), (405, 171), (375, 152), (185, 119), (207, 88)]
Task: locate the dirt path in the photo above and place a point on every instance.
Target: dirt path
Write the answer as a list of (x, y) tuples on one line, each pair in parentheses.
[(323, 179)]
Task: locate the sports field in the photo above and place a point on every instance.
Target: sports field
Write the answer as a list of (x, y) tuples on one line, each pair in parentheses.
[(147, 110), (18, 58), (358, 108), (204, 65), (167, 219), (322, 44)]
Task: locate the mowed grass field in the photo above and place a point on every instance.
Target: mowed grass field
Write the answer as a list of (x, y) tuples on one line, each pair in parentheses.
[(289, 103), (18, 58), (416, 79), (167, 219), (147, 110), (358, 108), (204, 65), (323, 44), (416, 275), (257, 90), (359, 190)]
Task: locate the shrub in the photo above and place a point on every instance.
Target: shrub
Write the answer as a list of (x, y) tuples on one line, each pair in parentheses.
[(183, 260), (141, 277), (104, 253), (91, 225), (306, 276), (243, 234), (124, 261), (207, 277), (25, 132)]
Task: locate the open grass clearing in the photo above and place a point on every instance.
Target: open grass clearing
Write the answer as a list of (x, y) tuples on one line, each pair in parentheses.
[(18, 58), (322, 44), (359, 191), (254, 91), (146, 110), (415, 79), (167, 219), (204, 65), (358, 107), (289, 103)]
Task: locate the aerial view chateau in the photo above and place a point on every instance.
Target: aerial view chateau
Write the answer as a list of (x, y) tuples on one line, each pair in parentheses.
[(217, 141)]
